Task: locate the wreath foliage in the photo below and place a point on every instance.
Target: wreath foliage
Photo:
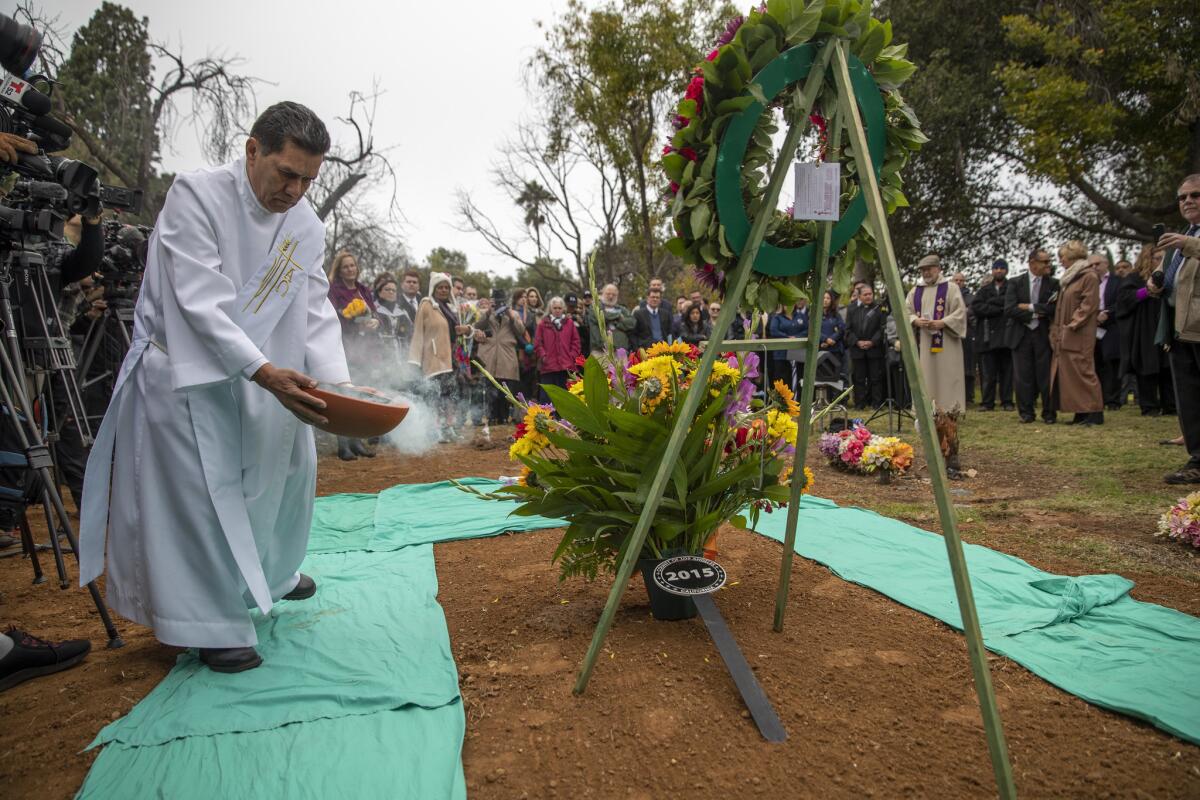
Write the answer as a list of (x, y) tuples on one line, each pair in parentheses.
[(724, 85)]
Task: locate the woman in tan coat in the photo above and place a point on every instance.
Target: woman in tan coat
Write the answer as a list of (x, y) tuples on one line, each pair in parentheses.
[(1073, 380), (432, 349)]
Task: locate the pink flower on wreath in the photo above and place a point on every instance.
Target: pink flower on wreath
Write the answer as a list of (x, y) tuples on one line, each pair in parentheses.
[(713, 55), (695, 89), (667, 149), (688, 153), (680, 122), (673, 188)]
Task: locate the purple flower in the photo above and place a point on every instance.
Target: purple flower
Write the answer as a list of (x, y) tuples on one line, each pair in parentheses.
[(750, 367), (740, 402), (730, 30)]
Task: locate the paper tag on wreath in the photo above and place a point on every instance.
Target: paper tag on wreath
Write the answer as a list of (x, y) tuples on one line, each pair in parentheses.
[(818, 190)]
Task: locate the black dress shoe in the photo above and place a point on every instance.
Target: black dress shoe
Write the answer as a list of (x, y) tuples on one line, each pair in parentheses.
[(1049, 420), (230, 659), (305, 589), (1026, 420), (359, 449), (31, 657)]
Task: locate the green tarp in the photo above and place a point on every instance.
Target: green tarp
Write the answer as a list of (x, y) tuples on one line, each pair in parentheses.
[(1084, 635), (359, 690)]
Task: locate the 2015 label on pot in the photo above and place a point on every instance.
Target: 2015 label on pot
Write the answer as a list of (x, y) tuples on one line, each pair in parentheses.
[(689, 575)]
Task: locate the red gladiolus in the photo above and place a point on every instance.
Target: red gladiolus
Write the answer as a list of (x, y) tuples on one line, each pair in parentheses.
[(580, 361), (520, 431), (695, 89), (688, 153)]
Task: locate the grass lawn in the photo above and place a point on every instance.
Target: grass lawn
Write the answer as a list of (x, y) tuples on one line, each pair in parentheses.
[(1067, 499)]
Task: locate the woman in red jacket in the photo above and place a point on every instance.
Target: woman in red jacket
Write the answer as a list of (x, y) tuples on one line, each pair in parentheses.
[(557, 345)]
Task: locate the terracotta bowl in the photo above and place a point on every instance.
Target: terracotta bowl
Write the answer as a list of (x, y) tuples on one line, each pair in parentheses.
[(358, 414)]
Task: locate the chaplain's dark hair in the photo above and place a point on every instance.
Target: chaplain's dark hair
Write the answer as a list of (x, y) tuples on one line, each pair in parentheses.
[(290, 122)]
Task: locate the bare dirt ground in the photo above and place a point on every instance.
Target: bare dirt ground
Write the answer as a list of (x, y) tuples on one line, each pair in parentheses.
[(877, 699)]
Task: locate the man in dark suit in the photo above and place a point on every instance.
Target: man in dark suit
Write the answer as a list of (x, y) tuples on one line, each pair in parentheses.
[(865, 341), (652, 321), (995, 357), (1108, 345), (1029, 302)]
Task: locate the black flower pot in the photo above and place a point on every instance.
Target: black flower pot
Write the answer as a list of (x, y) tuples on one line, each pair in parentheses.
[(664, 605)]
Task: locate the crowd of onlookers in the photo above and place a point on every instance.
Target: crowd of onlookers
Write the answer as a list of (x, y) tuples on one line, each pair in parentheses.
[(1012, 339)]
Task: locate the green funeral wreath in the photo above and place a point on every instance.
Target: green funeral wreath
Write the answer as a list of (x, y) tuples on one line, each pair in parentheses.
[(716, 186)]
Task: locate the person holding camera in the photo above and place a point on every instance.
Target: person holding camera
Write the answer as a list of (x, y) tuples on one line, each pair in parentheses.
[(1179, 324), (202, 476), (497, 336)]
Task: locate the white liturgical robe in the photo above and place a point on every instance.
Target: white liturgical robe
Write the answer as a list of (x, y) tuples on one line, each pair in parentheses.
[(203, 480)]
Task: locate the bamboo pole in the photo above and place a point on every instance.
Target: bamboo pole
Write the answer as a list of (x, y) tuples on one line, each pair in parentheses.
[(815, 310), (877, 216), (741, 277)]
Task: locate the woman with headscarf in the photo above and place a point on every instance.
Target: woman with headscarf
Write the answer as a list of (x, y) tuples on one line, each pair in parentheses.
[(1073, 381), (355, 306), (432, 349)]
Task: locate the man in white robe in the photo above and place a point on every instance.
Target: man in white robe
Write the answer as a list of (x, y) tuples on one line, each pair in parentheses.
[(211, 466), (939, 317)]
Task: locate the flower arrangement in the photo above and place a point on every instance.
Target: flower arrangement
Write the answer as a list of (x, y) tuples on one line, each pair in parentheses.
[(726, 85), (856, 449), (591, 456), (355, 308), (1182, 521)]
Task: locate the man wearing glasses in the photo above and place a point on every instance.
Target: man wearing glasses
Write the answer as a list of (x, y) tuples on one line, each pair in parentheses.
[(1179, 323), (1029, 302)]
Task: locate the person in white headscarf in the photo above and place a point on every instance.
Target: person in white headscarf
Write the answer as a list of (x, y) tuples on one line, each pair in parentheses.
[(432, 349)]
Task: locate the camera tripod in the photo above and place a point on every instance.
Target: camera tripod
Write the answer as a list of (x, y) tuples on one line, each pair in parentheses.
[(22, 413), (891, 407), (106, 335)]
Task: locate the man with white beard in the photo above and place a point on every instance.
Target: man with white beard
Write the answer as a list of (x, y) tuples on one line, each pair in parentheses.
[(204, 470)]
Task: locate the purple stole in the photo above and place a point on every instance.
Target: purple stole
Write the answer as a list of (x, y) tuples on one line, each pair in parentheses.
[(939, 311)]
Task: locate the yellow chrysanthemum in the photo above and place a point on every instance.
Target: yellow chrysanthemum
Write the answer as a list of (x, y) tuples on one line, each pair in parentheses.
[(786, 476), (793, 408), (722, 375), (780, 426), (576, 388), (664, 349)]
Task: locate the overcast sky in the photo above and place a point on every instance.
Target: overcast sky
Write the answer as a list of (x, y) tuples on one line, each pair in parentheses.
[(451, 73)]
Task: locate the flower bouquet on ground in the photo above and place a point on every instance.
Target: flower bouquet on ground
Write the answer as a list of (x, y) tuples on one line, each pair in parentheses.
[(857, 450), (1182, 522), (591, 456)]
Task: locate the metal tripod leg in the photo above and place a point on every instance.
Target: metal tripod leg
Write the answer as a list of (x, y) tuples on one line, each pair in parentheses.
[(38, 454), (30, 547)]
